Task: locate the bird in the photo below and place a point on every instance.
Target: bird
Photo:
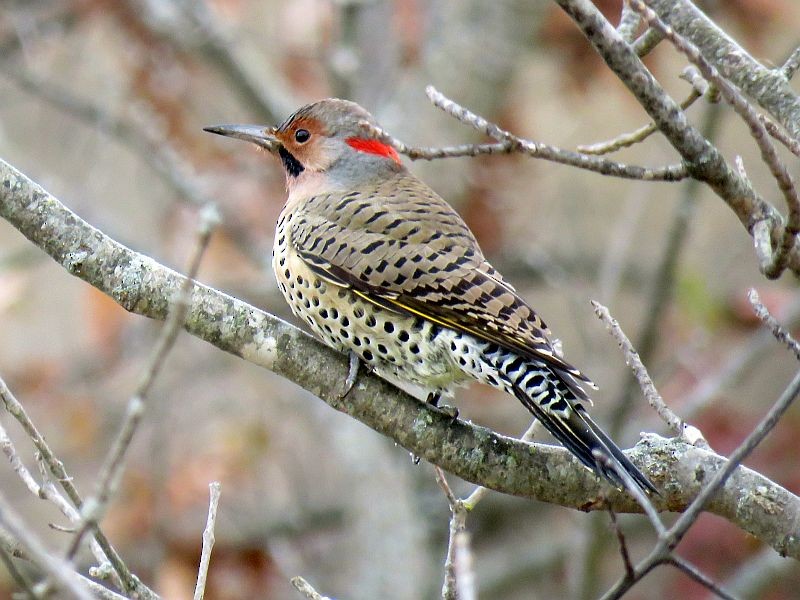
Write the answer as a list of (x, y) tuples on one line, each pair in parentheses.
[(383, 269)]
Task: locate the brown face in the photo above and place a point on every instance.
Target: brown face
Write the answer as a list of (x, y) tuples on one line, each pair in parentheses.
[(304, 145)]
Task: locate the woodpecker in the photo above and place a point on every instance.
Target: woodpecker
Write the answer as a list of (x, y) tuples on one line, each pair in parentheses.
[(380, 267)]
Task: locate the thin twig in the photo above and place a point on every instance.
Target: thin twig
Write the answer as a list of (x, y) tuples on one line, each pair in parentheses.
[(662, 289), (672, 537), (780, 332), (779, 134), (646, 42), (14, 407), (302, 586), (792, 63), (208, 540), (458, 517), (757, 130), (630, 138), (748, 353), (689, 569), (110, 473), (639, 370), (623, 545), (56, 568), (21, 580), (512, 143)]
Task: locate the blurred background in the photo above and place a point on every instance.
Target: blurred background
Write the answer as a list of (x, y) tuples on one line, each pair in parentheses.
[(103, 103)]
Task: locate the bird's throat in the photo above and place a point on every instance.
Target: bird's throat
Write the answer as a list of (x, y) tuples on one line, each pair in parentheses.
[(290, 163)]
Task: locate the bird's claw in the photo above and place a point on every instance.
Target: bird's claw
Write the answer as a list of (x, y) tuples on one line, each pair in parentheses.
[(352, 375), (448, 411)]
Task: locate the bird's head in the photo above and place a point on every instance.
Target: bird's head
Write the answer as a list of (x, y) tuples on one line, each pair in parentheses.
[(326, 137)]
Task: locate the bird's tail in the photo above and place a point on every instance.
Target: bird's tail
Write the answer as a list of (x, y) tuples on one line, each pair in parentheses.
[(554, 400)]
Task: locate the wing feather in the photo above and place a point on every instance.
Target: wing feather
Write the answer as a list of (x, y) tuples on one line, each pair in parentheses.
[(403, 248)]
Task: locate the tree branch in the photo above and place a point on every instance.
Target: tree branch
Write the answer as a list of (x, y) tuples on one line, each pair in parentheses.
[(141, 285), (770, 88), (702, 159)]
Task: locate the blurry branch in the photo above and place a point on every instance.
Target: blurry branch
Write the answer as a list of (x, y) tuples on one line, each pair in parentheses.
[(645, 43), (625, 140), (142, 138), (781, 333), (195, 28), (779, 134), (305, 588), (668, 540), (771, 265), (768, 87), (107, 554), (510, 144), (94, 509), (629, 22), (208, 540), (632, 359), (703, 161), (154, 150), (748, 353), (459, 577), (692, 571), (661, 290), (363, 61), (792, 63), (143, 286), (58, 569), (753, 578)]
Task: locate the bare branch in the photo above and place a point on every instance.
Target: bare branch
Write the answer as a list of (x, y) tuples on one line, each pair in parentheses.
[(59, 570), (512, 143), (56, 467), (757, 130), (792, 63), (779, 134), (623, 545), (632, 359), (208, 540), (780, 333), (702, 159), (693, 572), (770, 88), (108, 479), (141, 285), (628, 139), (302, 586)]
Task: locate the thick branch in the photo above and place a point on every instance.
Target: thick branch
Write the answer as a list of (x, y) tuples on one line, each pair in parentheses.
[(141, 285), (770, 88)]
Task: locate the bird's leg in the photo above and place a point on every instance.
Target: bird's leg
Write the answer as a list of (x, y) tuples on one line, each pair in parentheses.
[(450, 411), (352, 375), (433, 398)]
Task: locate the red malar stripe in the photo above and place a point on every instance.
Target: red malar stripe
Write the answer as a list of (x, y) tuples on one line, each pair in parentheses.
[(373, 147)]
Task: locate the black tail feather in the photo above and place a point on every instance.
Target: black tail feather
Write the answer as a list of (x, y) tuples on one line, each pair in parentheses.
[(576, 430)]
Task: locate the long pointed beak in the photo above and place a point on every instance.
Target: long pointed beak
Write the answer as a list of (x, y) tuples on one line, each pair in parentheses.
[(257, 134)]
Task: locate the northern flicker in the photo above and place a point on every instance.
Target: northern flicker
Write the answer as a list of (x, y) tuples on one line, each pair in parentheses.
[(382, 268)]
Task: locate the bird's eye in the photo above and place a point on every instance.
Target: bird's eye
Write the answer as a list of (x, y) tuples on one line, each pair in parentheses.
[(301, 136)]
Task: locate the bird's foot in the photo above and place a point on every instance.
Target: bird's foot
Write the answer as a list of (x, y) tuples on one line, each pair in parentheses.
[(352, 375), (448, 411)]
